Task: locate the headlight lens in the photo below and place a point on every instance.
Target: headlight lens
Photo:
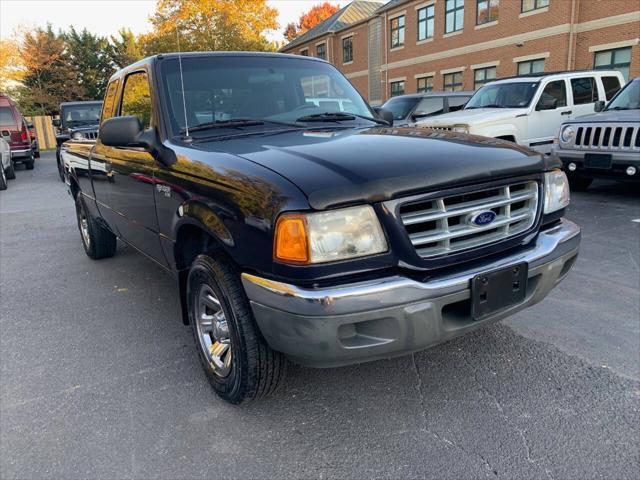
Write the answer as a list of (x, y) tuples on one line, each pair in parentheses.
[(76, 136), (556, 191), (461, 128), (329, 236), (567, 133)]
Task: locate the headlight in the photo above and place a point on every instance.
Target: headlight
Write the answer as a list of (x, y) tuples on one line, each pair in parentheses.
[(567, 133), (556, 191), (461, 128), (328, 236), (76, 136)]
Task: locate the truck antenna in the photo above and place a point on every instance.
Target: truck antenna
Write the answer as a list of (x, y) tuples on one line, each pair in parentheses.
[(184, 102)]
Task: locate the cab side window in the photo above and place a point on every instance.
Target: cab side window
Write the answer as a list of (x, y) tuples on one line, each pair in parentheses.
[(109, 101), (584, 90), (136, 98), (611, 86), (556, 90), (430, 106)]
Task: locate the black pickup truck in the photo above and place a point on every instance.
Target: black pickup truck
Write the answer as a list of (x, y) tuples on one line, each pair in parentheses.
[(308, 230)]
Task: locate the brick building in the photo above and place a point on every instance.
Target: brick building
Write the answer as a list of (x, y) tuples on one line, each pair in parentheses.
[(405, 46)]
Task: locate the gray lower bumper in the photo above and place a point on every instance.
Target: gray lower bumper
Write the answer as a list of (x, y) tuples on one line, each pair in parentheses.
[(23, 154), (395, 315)]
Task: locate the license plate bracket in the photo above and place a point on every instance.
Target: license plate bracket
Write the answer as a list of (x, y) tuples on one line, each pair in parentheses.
[(597, 160), (497, 290)]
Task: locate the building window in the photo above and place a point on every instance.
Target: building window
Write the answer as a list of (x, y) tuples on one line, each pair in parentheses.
[(397, 88), (530, 5), (425, 22), (531, 66), (454, 15), (347, 50), (487, 11), (425, 84), (397, 31), (481, 76), (453, 82), (305, 52), (618, 59), (321, 51)]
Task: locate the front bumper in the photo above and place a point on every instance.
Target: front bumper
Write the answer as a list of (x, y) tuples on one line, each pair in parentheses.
[(396, 315), (620, 160)]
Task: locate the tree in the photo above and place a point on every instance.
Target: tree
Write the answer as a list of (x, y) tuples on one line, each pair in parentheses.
[(210, 25), (124, 49), (316, 15), (89, 57), (50, 77), (11, 68)]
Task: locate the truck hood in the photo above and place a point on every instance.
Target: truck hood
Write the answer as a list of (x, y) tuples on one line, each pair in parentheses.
[(610, 116), (346, 166), (474, 116)]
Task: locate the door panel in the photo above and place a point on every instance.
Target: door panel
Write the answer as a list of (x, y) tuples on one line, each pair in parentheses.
[(544, 124), (584, 92)]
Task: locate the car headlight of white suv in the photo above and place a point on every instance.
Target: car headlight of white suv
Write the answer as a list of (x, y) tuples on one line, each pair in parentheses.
[(556, 191)]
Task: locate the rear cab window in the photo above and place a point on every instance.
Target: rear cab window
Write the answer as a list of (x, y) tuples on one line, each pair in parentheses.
[(6, 116), (430, 106), (456, 103), (584, 90)]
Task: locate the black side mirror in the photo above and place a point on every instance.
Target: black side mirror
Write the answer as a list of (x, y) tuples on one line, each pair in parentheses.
[(56, 122), (385, 115), (599, 106), (128, 132), (547, 103)]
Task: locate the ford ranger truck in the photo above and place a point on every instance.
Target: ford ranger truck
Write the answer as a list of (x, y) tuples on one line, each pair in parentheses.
[(604, 144), (302, 231)]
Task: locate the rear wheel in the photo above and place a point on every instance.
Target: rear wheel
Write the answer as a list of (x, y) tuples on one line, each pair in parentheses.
[(579, 184), (236, 358), (11, 172), (29, 163), (98, 242), (3, 178)]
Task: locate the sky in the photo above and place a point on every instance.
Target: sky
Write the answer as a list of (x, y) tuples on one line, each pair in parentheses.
[(106, 17)]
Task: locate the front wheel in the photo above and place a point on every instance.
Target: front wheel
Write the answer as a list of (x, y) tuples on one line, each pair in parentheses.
[(11, 171), (235, 356), (98, 242)]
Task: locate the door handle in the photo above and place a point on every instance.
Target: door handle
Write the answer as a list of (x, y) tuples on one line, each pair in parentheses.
[(568, 112)]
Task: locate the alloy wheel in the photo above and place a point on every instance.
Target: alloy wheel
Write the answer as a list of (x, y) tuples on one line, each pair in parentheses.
[(213, 331)]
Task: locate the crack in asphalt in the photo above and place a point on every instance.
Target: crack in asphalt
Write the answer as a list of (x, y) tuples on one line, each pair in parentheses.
[(506, 418), (491, 471)]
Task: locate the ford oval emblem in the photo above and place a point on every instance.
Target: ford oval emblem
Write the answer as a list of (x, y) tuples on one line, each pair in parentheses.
[(480, 219)]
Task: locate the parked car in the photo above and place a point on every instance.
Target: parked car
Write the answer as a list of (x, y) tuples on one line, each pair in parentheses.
[(35, 146), (79, 120), (329, 238), (408, 109), (5, 162), (529, 109), (604, 144), (14, 128)]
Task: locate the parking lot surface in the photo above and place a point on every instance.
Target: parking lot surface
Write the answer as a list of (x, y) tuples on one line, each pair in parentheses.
[(99, 378)]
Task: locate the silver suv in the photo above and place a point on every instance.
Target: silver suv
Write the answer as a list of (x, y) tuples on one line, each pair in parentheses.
[(604, 144)]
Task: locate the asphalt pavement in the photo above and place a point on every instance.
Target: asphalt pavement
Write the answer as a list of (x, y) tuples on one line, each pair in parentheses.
[(100, 379)]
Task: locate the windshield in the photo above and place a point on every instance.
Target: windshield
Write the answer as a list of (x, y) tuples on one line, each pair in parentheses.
[(400, 107), (81, 114), (503, 95), (628, 98), (221, 88)]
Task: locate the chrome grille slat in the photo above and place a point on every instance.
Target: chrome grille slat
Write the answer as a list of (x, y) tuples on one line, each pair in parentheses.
[(440, 225)]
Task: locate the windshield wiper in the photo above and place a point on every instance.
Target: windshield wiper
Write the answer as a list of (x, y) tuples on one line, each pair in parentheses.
[(337, 117), (230, 123)]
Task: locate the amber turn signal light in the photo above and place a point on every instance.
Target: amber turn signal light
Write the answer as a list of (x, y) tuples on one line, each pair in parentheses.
[(291, 243)]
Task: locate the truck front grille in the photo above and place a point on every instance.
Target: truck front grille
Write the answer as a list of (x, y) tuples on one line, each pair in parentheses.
[(90, 135), (607, 137), (444, 225)]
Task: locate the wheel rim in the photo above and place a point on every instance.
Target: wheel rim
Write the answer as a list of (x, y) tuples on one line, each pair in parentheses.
[(83, 223), (213, 331)]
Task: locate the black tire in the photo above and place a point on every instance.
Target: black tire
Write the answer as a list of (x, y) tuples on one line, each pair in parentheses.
[(61, 170), (579, 184), (36, 154), (3, 178), (11, 171), (98, 242), (256, 369), (30, 163)]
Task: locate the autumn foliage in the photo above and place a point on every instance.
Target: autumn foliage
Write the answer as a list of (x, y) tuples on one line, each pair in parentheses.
[(317, 14)]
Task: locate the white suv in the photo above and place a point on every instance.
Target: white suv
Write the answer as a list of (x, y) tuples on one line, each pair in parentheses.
[(529, 109)]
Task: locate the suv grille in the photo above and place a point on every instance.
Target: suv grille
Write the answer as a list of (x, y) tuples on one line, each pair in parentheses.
[(606, 137), (90, 135), (443, 225)]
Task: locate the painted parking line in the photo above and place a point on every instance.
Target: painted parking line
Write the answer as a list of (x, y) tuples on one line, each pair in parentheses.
[(637, 220)]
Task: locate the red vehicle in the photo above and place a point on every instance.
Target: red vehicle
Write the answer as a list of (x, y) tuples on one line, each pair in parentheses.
[(15, 130)]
